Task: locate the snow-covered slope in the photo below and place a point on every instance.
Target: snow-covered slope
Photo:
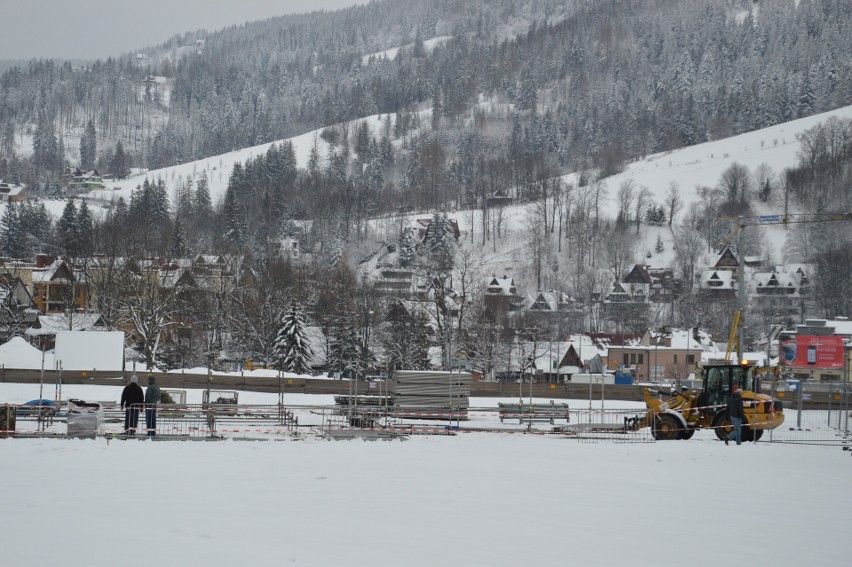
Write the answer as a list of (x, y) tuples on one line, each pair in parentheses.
[(219, 167), (703, 164), (690, 167), (391, 53), (699, 165)]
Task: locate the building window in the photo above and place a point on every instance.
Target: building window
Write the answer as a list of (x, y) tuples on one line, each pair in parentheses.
[(625, 358), (690, 359), (641, 358)]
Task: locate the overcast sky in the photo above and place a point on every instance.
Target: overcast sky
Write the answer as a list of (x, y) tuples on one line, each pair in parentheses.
[(89, 29)]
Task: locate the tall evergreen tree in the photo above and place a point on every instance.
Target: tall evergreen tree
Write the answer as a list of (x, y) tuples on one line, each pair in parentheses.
[(88, 147), (292, 352), (84, 233), (67, 228), (11, 231), (120, 163)]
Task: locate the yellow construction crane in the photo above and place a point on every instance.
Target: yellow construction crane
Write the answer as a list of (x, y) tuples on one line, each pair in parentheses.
[(764, 220), (733, 336), (768, 220)]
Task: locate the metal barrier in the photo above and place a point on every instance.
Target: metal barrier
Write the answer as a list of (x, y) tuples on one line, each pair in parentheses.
[(197, 421), (826, 422), (592, 426)]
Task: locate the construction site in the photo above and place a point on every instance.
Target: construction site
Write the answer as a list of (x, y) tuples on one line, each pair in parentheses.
[(208, 407)]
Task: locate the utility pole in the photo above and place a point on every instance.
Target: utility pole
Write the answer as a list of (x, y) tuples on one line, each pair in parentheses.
[(741, 290)]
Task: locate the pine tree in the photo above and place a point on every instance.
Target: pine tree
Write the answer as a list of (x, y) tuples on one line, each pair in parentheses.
[(88, 147), (440, 245), (407, 250), (291, 351), (45, 144), (437, 107), (415, 173), (10, 228), (120, 163), (232, 218), (659, 246), (83, 229), (178, 247), (527, 95), (67, 228), (345, 352)]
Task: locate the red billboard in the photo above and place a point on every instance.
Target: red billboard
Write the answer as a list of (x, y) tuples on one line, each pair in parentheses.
[(807, 351)]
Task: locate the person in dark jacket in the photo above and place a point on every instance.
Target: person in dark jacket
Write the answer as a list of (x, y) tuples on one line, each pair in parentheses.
[(735, 414), (131, 402), (152, 398)]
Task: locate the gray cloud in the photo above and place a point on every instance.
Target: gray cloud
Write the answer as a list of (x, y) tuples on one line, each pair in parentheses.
[(89, 29)]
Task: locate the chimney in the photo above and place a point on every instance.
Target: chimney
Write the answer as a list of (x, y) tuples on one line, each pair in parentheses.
[(43, 260)]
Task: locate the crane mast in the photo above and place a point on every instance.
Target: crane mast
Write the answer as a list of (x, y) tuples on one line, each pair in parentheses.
[(764, 220)]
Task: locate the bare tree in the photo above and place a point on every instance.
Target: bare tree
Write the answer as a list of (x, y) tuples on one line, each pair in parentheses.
[(626, 194), (468, 278), (150, 302), (535, 241), (688, 245), (736, 182), (673, 201), (643, 200), (765, 178), (619, 250)]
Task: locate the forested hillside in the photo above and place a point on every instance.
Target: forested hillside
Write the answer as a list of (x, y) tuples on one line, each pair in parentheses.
[(539, 103), (594, 82)]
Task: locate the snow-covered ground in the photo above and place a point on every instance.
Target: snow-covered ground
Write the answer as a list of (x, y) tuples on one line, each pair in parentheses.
[(472, 499)]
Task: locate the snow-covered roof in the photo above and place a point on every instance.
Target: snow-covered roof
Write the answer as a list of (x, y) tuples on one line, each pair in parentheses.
[(500, 285), (775, 280), (18, 353), (683, 339), (717, 279), (586, 347), (546, 300), (58, 322), (10, 189), (59, 271)]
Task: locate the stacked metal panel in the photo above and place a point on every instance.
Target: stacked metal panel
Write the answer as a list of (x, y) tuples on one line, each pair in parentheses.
[(431, 395)]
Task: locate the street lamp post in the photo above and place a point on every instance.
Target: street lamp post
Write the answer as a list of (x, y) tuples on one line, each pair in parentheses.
[(365, 350)]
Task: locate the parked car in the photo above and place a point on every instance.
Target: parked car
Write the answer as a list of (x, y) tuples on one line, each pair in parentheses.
[(38, 407)]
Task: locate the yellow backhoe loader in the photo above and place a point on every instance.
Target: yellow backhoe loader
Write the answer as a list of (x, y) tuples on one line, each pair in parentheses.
[(689, 410), (681, 415)]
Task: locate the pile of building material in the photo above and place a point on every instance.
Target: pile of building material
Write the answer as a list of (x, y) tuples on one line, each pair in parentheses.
[(7, 420), (431, 395), (85, 419)]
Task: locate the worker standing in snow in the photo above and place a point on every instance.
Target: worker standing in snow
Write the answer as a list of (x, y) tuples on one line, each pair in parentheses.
[(152, 398), (131, 401), (735, 414)]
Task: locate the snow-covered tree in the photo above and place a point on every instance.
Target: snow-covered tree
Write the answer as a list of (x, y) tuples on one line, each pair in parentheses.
[(67, 228), (345, 353), (88, 147), (292, 352), (120, 162), (10, 230), (407, 249)]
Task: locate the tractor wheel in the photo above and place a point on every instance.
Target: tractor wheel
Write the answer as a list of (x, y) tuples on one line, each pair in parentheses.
[(758, 433), (666, 427), (686, 433), (722, 425)]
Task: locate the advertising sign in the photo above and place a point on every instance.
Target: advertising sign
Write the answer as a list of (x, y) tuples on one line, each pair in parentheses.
[(806, 351)]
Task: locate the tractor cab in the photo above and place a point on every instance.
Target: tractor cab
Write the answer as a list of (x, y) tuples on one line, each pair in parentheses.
[(720, 379)]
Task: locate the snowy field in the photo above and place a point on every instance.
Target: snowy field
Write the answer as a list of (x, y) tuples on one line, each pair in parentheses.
[(473, 499)]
